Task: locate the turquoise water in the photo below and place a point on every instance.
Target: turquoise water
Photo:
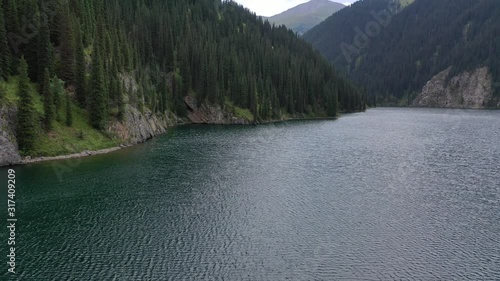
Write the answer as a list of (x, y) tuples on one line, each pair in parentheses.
[(390, 194)]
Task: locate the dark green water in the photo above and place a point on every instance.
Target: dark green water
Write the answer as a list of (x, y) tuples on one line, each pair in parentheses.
[(391, 194)]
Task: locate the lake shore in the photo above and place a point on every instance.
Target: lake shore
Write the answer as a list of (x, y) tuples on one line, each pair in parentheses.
[(87, 153)]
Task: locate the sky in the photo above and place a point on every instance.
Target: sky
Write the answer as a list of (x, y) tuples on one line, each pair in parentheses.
[(272, 7)]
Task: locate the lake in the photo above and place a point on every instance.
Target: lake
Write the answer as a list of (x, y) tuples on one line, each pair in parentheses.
[(390, 194)]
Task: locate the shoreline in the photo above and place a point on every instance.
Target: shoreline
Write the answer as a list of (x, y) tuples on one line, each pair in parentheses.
[(87, 153)]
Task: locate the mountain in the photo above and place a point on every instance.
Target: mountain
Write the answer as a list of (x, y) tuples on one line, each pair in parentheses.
[(421, 53), (305, 16), (101, 73)]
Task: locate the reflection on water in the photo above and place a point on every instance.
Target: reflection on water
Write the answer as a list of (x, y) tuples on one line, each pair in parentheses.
[(390, 194)]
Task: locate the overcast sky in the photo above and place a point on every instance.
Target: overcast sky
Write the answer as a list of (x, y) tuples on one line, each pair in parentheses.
[(272, 7)]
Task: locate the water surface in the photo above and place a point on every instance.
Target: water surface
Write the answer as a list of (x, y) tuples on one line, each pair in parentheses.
[(391, 194)]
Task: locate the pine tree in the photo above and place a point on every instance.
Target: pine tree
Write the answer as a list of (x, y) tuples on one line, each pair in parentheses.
[(48, 101), (44, 51), (81, 83), (5, 56), (11, 16), (66, 69), (26, 123), (57, 88), (97, 100), (121, 103), (29, 48), (69, 113)]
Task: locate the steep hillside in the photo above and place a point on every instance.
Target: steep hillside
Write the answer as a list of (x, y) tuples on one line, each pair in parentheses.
[(305, 16), (102, 73), (413, 46), (335, 36)]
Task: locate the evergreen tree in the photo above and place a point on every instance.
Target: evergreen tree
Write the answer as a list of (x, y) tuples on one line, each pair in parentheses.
[(44, 51), (97, 100), (5, 56), (66, 69), (58, 92), (48, 101), (81, 83), (26, 118), (121, 103), (69, 113)]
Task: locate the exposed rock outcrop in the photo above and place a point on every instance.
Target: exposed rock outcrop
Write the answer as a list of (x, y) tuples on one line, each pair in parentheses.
[(466, 90), (210, 114), (139, 126), (9, 154)]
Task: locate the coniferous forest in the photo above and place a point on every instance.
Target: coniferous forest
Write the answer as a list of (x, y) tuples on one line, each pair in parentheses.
[(104, 56), (410, 46)]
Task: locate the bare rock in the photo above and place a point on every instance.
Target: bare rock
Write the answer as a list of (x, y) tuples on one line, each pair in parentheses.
[(139, 126), (9, 154), (466, 90)]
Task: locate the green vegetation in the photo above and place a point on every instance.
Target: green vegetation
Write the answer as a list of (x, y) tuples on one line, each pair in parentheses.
[(421, 39), (77, 138), (26, 116), (239, 112), (61, 139), (90, 59)]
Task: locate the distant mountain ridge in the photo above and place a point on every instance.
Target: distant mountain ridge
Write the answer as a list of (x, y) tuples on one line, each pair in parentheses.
[(307, 15), (417, 52)]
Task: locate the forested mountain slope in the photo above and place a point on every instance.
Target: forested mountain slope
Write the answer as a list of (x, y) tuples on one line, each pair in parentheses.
[(307, 15), (68, 65), (414, 45)]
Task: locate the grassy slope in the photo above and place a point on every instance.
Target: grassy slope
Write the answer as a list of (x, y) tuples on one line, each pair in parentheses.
[(62, 140)]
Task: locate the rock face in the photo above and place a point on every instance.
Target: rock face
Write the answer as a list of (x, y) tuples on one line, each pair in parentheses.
[(139, 126), (210, 114), (467, 90), (9, 154)]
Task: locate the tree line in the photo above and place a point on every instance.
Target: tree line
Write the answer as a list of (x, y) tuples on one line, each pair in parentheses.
[(413, 45), (107, 55)]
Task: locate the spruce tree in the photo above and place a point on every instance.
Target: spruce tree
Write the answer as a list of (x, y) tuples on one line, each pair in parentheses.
[(5, 56), (121, 102), (44, 51), (97, 100), (81, 94), (48, 101), (26, 123), (66, 69), (11, 16), (69, 113)]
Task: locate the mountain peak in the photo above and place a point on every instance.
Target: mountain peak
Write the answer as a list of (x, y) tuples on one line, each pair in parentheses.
[(307, 15)]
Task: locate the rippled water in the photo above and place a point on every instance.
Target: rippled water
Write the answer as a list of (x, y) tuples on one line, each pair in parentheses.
[(391, 194)]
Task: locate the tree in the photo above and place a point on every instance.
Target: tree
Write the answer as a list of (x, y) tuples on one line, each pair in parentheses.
[(57, 89), (48, 101), (5, 56), (121, 103), (97, 101), (44, 51), (69, 113), (26, 123), (81, 94), (66, 69)]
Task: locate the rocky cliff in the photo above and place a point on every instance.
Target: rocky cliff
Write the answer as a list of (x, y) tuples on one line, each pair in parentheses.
[(8, 144), (139, 126), (466, 90)]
